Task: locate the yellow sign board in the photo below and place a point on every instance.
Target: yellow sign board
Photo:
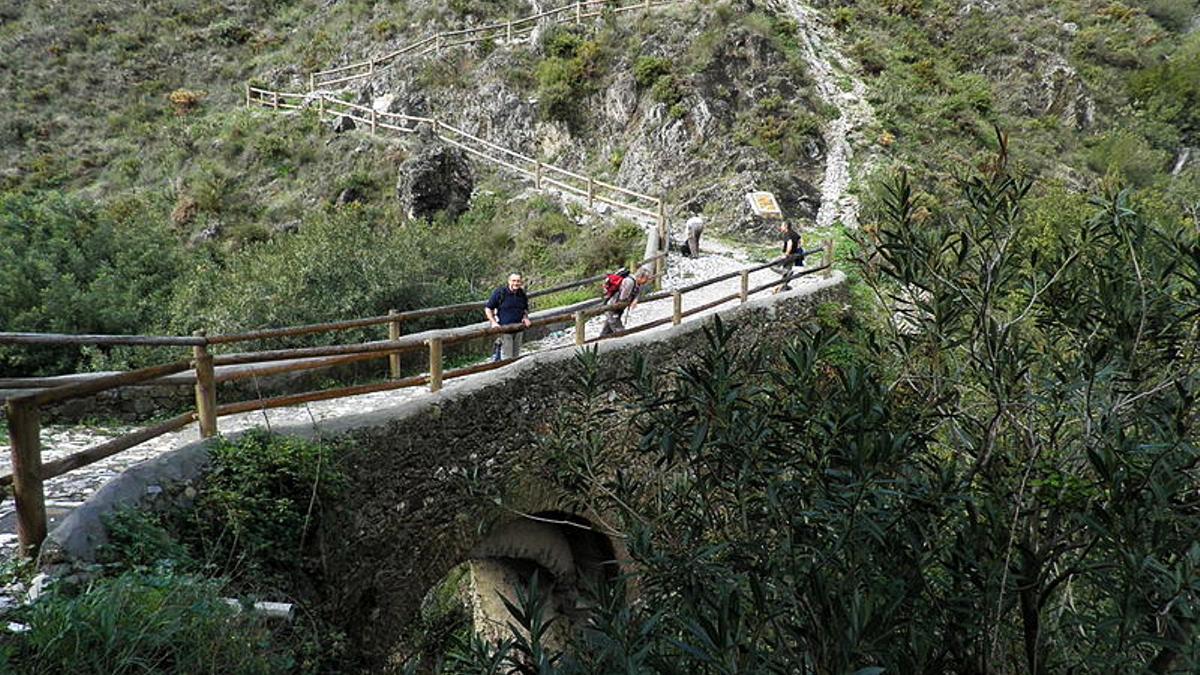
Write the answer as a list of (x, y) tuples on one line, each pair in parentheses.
[(764, 205)]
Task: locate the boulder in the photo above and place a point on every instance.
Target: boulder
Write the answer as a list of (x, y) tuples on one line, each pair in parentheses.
[(350, 195), (342, 123), (436, 178), (208, 233)]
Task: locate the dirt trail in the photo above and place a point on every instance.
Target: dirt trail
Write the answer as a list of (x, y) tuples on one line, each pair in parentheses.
[(836, 81)]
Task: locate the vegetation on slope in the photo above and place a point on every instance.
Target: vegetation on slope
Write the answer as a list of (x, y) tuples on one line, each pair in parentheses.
[(140, 197), (1086, 88), (1006, 467), (154, 605)]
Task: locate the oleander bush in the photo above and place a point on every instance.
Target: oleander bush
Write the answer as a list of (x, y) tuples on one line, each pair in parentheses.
[(965, 482)]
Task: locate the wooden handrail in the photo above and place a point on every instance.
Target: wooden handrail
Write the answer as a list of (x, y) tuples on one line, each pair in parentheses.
[(588, 190), (23, 411), (81, 389), (479, 33), (109, 448), (63, 339)]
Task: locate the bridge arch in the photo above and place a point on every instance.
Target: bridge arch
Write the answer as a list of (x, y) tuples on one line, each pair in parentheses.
[(567, 552)]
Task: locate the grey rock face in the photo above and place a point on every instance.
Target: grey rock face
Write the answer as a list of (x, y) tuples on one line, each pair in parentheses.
[(436, 179)]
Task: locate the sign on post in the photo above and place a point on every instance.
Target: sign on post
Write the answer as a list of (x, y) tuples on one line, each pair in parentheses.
[(763, 205)]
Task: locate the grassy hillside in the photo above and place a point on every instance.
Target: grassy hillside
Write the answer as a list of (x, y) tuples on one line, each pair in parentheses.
[(138, 195), (1086, 89)]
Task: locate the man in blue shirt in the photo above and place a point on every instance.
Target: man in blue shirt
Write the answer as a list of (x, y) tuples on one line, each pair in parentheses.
[(508, 305)]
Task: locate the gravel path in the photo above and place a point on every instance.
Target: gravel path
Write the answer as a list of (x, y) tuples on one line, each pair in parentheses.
[(836, 81), (68, 491)]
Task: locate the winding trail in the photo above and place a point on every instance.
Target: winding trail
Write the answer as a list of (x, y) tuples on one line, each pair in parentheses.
[(837, 83)]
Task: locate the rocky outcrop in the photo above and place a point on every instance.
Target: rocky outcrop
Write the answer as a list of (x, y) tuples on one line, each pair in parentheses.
[(342, 123), (437, 179), (698, 151)]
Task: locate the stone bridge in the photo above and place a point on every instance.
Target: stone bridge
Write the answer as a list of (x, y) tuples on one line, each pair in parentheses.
[(409, 518)]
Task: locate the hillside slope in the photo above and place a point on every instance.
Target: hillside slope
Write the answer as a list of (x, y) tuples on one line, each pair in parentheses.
[(181, 209)]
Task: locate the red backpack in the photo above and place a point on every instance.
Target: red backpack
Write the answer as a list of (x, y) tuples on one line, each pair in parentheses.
[(612, 282)]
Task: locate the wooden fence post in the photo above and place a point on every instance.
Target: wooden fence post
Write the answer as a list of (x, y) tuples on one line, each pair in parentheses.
[(394, 334), (537, 175), (663, 242), (312, 82), (580, 329), (321, 107), (591, 191), (275, 100), (435, 364), (247, 94), (24, 430), (371, 67), (508, 34), (578, 12), (374, 115), (677, 311), (206, 389), (744, 295), (828, 259)]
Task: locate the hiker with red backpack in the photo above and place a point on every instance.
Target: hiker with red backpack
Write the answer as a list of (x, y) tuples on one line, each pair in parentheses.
[(621, 288)]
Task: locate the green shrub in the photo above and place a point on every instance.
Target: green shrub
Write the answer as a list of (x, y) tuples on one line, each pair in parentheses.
[(67, 266), (647, 69), (1175, 15), (613, 248), (843, 17), (1170, 90), (667, 89), (138, 539), (1109, 45), (384, 29), (1129, 155), (305, 278), (259, 506), (561, 42), (781, 130), (556, 89), (567, 74), (141, 624)]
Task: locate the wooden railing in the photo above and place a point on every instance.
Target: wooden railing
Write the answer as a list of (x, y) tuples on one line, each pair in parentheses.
[(24, 411), (542, 174), (506, 32)]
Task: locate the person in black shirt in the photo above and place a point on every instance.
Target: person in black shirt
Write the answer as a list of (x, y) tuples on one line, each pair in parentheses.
[(508, 305), (793, 249)]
